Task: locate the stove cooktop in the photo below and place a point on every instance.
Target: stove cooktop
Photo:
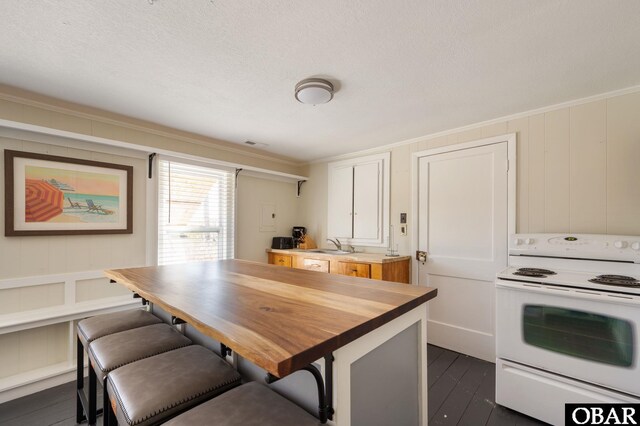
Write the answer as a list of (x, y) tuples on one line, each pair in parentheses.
[(603, 263), (533, 272), (587, 280), (616, 280)]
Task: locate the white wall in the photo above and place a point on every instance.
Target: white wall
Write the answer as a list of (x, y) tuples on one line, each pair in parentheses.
[(313, 203), (577, 170), (252, 194)]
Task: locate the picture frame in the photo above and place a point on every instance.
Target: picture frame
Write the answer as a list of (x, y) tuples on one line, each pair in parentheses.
[(52, 195)]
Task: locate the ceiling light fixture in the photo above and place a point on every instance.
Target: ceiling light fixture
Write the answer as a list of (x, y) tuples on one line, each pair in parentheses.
[(314, 91), (256, 144)]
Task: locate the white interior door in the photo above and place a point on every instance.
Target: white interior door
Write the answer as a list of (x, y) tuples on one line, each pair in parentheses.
[(463, 227)]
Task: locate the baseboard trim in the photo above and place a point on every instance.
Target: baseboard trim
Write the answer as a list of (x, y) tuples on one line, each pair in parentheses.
[(466, 341)]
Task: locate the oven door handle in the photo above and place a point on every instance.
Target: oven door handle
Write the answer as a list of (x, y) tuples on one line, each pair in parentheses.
[(574, 293)]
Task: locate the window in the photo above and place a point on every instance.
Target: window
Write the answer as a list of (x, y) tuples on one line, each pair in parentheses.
[(195, 213)]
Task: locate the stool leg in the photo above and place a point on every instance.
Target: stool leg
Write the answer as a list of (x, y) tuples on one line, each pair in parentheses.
[(80, 417), (93, 391), (106, 404)]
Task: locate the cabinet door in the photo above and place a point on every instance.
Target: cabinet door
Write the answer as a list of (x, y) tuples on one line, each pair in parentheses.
[(358, 202), (340, 202), (367, 205), (362, 270), (280, 259)]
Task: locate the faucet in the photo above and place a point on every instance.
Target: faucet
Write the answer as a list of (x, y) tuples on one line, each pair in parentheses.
[(336, 242), (338, 245)]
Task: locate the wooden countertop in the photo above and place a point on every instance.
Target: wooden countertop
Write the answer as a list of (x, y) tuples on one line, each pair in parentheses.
[(280, 319), (350, 257)]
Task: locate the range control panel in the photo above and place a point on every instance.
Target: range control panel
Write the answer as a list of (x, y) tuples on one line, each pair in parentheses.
[(581, 246)]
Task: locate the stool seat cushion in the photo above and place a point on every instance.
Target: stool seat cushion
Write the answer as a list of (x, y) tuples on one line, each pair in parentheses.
[(156, 388), (102, 325), (115, 350), (251, 404)]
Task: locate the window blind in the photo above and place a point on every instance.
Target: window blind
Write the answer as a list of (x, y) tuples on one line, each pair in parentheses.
[(195, 213)]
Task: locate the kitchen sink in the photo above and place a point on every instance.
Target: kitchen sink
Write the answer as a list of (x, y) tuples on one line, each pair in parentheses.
[(329, 251)]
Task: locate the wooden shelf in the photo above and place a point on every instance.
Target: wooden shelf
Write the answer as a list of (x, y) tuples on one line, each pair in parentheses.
[(36, 375)]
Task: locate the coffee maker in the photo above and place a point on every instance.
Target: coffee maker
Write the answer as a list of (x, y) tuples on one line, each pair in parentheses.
[(298, 234)]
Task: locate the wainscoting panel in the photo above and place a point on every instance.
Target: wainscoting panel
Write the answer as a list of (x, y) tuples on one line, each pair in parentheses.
[(38, 316)]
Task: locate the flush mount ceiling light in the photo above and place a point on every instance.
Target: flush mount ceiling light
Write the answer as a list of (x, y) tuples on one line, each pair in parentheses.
[(314, 91), (256, 144)]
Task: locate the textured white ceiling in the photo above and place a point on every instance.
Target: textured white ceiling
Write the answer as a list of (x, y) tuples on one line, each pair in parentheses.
[(404, 69)]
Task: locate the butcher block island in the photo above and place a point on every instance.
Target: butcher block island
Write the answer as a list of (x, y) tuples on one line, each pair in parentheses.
[(367, 338)]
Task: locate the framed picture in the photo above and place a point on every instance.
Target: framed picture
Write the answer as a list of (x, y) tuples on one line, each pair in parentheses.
[(50, 195)]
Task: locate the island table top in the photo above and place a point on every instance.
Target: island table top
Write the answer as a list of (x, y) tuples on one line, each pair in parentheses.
[(279, 318)]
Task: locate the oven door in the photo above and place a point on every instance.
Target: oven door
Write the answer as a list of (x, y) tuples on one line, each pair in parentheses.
[(581, 334)]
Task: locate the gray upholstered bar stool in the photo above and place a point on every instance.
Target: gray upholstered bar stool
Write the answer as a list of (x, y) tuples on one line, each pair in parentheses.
[(116, 350), (91, 329), (153, 390), (251, 404)]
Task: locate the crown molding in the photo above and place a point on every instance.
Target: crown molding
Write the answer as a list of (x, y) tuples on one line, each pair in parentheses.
[(575, 102), (64, 107)]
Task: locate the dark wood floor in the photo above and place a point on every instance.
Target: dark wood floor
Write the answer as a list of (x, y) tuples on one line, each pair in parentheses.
[(461, 392)]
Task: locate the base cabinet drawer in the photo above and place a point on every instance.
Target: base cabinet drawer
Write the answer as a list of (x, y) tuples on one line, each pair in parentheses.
[(315, 265), (398, 270), (362, 270), (280, 259)]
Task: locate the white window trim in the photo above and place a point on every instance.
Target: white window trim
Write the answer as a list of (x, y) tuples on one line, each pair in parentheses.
[(153, 188), (153, 202)]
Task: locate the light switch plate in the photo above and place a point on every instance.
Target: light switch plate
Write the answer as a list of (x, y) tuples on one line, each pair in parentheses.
[(403, 229)]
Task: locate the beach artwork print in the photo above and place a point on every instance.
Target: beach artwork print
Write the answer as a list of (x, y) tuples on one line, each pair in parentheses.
[(68, 196)]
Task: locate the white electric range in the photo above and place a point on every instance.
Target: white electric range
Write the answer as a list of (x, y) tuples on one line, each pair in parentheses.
[(568, 323)]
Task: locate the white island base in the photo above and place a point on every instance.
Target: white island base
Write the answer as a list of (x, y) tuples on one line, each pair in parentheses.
[(379, 379)]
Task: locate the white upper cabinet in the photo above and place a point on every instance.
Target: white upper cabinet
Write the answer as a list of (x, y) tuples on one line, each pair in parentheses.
[(367, 208), (359, 200), (341, 202)]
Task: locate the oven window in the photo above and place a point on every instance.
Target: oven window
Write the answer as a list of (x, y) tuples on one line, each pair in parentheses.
[(580, 334)]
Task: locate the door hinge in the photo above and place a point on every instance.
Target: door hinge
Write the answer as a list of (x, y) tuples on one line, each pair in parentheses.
[(507, 165)]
